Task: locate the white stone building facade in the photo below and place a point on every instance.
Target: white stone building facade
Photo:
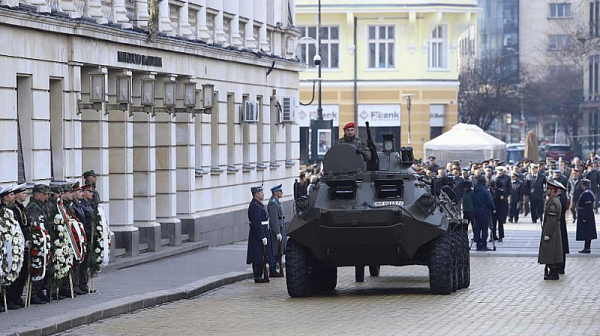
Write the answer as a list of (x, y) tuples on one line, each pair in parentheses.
[(168, 167)]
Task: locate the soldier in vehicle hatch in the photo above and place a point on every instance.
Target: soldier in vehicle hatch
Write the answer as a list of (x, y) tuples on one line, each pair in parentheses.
[(350, 138)]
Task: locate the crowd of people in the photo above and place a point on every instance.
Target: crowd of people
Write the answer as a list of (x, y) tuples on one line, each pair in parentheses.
[(53, 239), (492, 192)]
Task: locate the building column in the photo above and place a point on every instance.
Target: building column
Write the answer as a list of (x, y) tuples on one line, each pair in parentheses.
[(184, 22), (95, 11), (68, 6), (263, 42), (142, 13), (186, 175), (71, 128), (166, 170), (120, 157), (42, 5), (201, 18), (144, 171), (233, 7), (164, 23), (247, 8), (219, 32), (120, 14)]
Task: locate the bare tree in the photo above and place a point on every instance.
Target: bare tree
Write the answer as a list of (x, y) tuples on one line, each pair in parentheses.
[(488, 90)]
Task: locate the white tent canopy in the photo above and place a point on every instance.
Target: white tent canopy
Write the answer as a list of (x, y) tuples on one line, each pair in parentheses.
[(465, 142)]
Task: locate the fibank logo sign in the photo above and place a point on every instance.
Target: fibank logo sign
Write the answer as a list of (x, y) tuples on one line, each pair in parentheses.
[(379, 115), (306, 113)]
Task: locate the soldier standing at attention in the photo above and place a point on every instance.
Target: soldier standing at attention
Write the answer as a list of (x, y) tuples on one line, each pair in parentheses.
[(257, 238), (586, 223), (37, 211), (551, 252), (276, 225), (90, 178), (350, 138), (15, 290)]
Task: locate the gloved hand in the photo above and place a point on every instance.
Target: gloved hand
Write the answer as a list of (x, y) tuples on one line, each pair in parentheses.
[(546, 238), (494, 212), (359, 151), (264, 240), (279, 236), (27, 244)]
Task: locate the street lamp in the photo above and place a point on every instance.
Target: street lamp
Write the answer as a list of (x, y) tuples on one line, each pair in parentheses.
[(170, 91)]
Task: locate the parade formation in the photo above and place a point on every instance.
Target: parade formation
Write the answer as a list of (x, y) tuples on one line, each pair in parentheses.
[(52, 246)]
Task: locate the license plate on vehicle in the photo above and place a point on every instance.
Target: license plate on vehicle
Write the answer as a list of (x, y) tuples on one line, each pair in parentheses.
[(385, 203)]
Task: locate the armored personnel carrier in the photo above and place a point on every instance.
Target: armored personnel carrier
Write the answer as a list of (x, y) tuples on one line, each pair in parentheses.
[(383, 215)]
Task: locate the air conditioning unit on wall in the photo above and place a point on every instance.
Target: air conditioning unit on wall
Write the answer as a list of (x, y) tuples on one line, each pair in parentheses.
[(287, 110), (249, 112)]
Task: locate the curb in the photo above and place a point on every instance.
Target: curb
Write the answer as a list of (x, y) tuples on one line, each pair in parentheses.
[(500, 254), (125, 305)]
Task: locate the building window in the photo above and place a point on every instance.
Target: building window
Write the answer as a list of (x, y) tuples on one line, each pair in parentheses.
[(214, 133), (308, 48), (437, 49), (559, 42), (242, 32), (271, 40), (256, 34), (560, 10), (174, 17), (594, 19), (330, 46), (210, 24), (382, 46), (230, 130), (260, 133), (227, 29), (193, 19)]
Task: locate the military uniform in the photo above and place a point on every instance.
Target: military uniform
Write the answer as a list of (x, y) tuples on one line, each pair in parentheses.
[(15, 290), (85, 215), (277, 227), (96, 200), (360, 145), (586, 223), (258, 218), (38, 211), (551, 252)]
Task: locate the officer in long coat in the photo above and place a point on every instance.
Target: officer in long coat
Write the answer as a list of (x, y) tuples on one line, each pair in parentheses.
[(500, 185), (550, 252), (276, 226), (15, 290), (483, 206), (257, 237), (516, 198), (586, 223), (563, 229), (534, 187)]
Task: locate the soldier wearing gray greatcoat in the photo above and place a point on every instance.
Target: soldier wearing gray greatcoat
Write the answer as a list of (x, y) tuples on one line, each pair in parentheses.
[(551, 252), (277, 226)]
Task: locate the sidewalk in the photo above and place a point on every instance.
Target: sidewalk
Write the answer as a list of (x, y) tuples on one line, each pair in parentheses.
[(188, 275), (165, 280)]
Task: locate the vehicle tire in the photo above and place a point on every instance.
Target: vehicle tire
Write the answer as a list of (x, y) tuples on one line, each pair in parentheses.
[(374, 270), (440, 265), (359, 273), (454, 257), (466, 258), (324, 278), (297, 267), (459, 258)]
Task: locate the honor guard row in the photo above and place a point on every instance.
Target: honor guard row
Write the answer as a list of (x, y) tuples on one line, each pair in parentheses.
[(55, 239), (266, 239)]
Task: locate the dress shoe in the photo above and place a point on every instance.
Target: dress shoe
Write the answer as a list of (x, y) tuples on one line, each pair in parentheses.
[(561, 272), (276, 275), (551, 277), (56, 296), (510, 220), (84, 289), (37, 300), (13, 306), (500, 240), (585, 251), (259, 280), (66, 293), (484, 249), (19, 302), (78, 291)]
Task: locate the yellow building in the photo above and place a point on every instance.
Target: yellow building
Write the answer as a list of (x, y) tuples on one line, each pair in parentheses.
[(402, 47)]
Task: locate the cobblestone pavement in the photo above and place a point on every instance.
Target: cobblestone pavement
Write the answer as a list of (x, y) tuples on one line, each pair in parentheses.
[(167, 273), (507, 297)]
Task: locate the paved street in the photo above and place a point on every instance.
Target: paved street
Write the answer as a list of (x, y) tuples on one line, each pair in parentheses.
[(507, 297), (509, 291)]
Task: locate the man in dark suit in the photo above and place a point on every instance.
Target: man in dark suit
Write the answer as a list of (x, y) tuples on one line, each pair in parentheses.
[(257, 238), (594, 177), (515, 198), (500, 186), (535, 188)]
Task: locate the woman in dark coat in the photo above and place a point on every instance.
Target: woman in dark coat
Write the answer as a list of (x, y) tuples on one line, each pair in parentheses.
[(586, 223)]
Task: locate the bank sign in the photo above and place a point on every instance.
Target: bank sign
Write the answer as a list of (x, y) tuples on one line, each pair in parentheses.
[(306, 113), (379, 115)]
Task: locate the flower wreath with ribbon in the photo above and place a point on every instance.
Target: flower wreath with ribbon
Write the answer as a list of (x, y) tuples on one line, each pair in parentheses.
[(13, 249), (62, 256), (101, 242), (40, 249)]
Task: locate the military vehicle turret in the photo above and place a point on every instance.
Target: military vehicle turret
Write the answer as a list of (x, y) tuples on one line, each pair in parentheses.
[(384, 215)]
